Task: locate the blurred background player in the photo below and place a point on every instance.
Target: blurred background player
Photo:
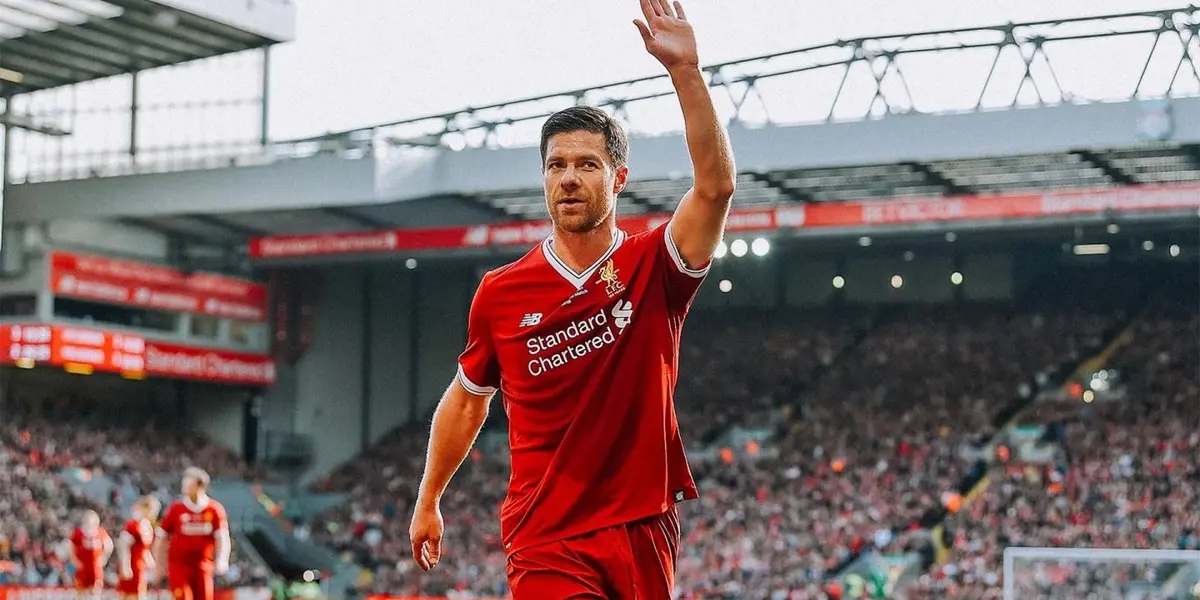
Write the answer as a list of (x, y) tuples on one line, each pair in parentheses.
[(194, 536), (91, 547), (134, 549)]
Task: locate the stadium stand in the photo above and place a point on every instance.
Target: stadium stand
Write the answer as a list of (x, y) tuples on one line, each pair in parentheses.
[(868, 414), (39, 508)]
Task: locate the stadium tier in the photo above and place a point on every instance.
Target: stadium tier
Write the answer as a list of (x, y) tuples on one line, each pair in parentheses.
[(935, 355)]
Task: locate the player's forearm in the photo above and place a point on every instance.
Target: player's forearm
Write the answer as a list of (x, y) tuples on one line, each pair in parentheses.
[(708, 143), (223, 547), (456, 424), (159, 551), (124, 558)]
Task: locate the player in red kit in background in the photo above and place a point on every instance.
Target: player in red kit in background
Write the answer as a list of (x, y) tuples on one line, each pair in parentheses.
[(194, 533), (90, 548), (581, 335), (134, 545)]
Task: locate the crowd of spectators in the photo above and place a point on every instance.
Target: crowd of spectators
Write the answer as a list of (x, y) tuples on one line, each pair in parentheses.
[(1128, 477), (870, 412), (39, 508)]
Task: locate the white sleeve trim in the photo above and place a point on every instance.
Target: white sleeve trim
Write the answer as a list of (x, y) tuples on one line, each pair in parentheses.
[(678, 260), (126, 538), (470, 386), (161, 532)]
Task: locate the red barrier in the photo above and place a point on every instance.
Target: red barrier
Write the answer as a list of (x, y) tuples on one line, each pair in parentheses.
[(112, 352), (996, 207), (156, 287)]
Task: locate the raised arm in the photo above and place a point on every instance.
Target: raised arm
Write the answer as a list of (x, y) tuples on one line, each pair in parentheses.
[(456, 423), (699, 221)]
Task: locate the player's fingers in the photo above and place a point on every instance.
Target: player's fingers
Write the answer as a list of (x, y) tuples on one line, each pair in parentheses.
[(418, 550), (664, 8), (679, 11), (434, 546), (651, 9), (644, 30)]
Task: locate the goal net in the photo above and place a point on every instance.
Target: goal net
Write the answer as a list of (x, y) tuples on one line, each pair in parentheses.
[(1101, 574)]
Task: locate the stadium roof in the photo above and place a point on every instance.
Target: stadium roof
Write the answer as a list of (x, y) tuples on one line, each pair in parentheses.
[(52, 43), (1143, 165)]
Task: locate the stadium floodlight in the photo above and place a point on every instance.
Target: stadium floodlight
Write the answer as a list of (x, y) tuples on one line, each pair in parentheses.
[(1174, 250), (738, 248), (1093, 567), (725, 286), (897, 281), (760, 247), (1147, 245), (956, 278), (839, 282), (1090, 249), (722, 250)]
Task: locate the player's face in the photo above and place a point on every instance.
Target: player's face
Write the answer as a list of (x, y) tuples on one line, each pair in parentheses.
[(581, 182), (91, 521), (189, 486)]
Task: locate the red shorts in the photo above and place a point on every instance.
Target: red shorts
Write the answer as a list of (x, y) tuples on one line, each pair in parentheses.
[(89, 579), (190, 584), (627, 562), (136, 585)]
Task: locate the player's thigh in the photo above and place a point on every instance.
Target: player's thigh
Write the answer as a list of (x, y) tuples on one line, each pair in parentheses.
[(202, 586), (654, 544), (180, 582), (554, 571)]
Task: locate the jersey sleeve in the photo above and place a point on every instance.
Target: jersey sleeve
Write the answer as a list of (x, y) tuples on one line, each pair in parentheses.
[(478, 367), (682, 281), (130, 533), (220, 520), (170, 521)]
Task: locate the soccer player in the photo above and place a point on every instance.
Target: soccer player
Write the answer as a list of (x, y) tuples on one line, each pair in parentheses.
[(582, 336), (194, 533), (91, 547), (134, 546)]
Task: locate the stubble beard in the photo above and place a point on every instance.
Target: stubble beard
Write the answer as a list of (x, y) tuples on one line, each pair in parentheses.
[(593, 216)]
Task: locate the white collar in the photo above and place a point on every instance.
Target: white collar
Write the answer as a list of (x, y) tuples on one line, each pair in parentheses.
[(579, 279), (200, 504)]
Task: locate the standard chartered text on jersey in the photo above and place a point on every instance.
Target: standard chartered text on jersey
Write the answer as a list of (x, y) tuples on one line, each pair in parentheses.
[(608, 332)]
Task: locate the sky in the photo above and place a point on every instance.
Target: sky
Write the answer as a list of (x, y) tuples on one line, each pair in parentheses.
[(356, 63), (390, 59)]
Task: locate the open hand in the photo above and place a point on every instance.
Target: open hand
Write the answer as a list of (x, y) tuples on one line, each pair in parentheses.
[(668, 35)]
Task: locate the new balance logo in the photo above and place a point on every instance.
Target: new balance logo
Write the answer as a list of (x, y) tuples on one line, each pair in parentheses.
[(530, 320)]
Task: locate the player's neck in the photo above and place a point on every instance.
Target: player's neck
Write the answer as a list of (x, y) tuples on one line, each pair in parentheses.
[(581, 250)]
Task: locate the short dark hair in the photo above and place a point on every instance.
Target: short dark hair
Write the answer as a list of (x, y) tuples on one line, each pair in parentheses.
[(588, 118)]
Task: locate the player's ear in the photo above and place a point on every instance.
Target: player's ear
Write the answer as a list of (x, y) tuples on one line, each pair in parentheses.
[(621, 179)]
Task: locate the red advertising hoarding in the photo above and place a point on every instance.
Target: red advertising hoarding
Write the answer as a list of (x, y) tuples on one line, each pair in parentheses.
[(881, 213), (113, 352), (156, 287)]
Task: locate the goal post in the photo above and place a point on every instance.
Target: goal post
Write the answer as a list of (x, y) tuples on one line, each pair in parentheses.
[(1107, 572)]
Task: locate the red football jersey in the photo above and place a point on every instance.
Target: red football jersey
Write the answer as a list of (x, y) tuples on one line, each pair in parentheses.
[(192, 531), (89, 549), (140, 534), (587, 366)]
